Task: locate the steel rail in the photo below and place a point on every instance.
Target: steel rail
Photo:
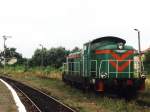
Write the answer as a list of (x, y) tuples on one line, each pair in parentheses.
[(27, 98), (44, 102)]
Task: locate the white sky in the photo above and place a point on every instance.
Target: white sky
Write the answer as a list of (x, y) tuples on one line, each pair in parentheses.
[(71, 23)]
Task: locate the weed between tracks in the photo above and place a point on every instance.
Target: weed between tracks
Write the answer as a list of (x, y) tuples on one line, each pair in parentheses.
[(82, 101)]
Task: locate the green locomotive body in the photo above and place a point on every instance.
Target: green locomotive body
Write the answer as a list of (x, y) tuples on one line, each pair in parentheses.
[(104, 64)]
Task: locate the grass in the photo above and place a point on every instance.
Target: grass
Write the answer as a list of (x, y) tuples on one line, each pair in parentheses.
[(145, 96), (46, 72), (82, 101)]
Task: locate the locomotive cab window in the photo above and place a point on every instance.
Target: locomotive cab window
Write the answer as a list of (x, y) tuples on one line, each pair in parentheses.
[(120, 45)]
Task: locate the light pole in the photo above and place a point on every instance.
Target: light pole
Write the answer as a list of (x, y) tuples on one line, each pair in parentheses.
[(5, 38), (42, 57), (139, 45)]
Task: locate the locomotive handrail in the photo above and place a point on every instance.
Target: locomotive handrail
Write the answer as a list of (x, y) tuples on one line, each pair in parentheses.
[(64, 70), (67, 68), (108, 70), (95, 68)]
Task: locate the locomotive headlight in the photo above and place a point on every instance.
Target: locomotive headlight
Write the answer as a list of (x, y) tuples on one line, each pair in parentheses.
[(120, 45), (104, 75), (93, 81)]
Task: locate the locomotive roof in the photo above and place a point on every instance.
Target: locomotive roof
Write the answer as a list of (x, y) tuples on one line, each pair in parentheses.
[(109, 38)]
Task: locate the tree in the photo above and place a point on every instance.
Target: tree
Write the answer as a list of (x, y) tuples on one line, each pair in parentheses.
[(147, 57), (12, 53), (53, 57), (147, 61), (56, 56), (76, 49), (36, 59)]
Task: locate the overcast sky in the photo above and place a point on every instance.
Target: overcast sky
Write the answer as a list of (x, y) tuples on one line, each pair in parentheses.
[(71, 23)]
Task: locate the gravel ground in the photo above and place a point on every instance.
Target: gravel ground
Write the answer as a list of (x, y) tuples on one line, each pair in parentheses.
[(7, 103)]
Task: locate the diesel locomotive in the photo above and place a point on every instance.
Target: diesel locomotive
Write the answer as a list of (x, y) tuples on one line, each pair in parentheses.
[(105, 64)]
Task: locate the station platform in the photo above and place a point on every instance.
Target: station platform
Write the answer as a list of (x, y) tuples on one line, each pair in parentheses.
[(7, 103)]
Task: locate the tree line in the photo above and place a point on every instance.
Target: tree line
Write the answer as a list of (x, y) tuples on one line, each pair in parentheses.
[(54, 57)]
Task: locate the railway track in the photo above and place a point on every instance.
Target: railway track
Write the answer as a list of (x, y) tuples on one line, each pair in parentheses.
[(40, 101)]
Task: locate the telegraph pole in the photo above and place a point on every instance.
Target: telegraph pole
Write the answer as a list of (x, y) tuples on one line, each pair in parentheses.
[(139, 45), (42, 57), (5, 38)]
